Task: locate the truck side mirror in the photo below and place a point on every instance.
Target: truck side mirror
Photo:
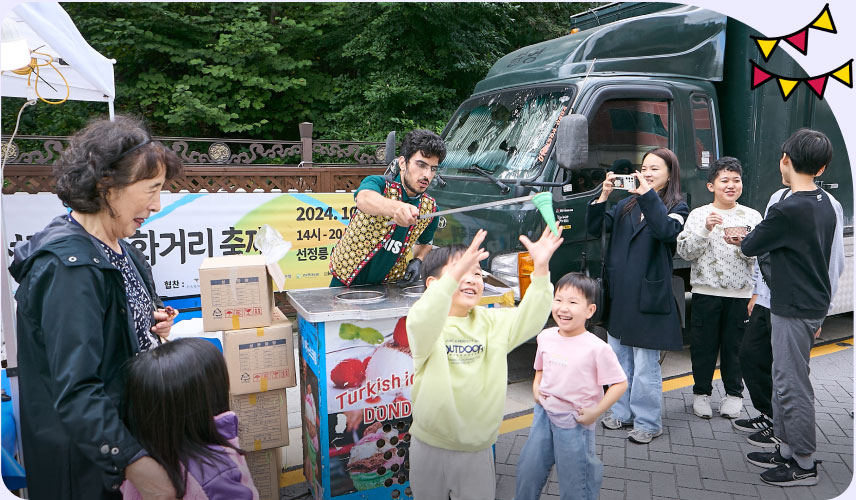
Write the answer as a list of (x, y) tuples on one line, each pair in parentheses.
[(389, 151), (572, 142)]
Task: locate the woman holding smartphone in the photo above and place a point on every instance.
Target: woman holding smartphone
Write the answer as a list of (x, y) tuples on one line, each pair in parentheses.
[(643, 316)]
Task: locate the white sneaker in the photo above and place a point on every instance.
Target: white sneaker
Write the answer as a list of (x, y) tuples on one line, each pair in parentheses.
[(731, 406), (701, 406)]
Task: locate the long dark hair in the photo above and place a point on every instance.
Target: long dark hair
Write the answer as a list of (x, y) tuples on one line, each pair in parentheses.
[(173, 393), (671, 193)]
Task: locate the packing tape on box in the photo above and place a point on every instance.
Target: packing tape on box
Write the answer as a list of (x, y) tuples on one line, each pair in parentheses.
[(252, 399), (236, 323), (257, 445), (263, 383), (260, 332)]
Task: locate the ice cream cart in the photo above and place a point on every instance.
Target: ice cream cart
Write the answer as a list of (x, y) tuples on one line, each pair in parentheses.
[(356, 371)]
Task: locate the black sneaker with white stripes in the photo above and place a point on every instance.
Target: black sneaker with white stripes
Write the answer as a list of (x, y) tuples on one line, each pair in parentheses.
[(767, 459), (756, 424), (764, 439), (791, 474)]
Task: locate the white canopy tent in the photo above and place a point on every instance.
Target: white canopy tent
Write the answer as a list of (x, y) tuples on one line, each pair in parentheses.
[(86, 76), (48, 29)]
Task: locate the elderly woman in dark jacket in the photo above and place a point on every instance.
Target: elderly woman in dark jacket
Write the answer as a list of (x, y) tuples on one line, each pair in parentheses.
[(643, 317), (86, 305)]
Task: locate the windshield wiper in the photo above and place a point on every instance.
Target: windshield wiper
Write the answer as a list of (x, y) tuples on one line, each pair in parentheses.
[(475, 169)]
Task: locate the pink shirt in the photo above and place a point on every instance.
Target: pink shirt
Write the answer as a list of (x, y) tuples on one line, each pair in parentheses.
[(575, 369)]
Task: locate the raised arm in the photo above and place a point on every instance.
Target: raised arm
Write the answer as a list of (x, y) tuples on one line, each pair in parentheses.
[(427, 316), (529, 317)]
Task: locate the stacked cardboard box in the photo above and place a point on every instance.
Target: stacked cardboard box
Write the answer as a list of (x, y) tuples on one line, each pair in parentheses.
[(237, 297)]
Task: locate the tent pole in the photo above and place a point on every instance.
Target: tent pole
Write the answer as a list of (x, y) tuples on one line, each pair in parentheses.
[(10, 337), (111, 111)]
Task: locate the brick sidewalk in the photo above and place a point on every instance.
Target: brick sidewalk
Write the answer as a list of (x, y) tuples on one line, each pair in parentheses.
[(698, 459)]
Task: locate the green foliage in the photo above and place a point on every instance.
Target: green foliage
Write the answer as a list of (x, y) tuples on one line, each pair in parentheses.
[(356, 70)]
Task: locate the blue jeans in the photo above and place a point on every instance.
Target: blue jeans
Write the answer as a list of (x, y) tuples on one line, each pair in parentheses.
[(641, 403), (572, 450)]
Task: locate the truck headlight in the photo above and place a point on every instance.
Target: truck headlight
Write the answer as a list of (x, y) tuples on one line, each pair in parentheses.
[(514, 269)]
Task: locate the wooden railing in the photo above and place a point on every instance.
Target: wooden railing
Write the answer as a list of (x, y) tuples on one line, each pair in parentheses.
[(216, 165)]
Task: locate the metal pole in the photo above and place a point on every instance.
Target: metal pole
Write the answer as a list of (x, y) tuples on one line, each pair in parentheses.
[(8, 331)]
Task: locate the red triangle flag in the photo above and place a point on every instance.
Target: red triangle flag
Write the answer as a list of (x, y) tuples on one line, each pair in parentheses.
[(799, 40), (759, 76), (818, 85)]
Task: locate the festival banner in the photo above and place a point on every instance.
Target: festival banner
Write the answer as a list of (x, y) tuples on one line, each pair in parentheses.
[(799, 38), (192, 226)]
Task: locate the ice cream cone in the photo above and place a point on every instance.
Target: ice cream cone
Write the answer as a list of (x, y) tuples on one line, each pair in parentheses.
[(544, 202)]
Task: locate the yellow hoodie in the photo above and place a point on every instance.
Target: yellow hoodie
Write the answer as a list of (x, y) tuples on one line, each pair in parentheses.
[(460, 363)]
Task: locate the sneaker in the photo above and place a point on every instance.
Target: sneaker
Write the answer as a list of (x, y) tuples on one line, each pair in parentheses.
[(791, 474), (731, 406), (756, 424), (764, 439), (642, 437), (766, 459), (701, 406), (613, 423)]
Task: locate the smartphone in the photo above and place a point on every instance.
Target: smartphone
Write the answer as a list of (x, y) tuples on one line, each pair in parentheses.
[(624, 182)]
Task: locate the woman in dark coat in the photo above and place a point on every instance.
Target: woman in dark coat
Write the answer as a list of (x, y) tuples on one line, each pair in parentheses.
[(643, 317), (86, 305)]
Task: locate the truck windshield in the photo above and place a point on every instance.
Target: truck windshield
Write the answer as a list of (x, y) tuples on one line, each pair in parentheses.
[(505, 133)]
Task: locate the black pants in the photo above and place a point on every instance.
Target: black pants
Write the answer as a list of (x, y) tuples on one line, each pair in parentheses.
[(756, 360), (717, 329)]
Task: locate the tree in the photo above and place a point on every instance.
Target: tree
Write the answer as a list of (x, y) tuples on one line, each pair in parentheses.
[(356, 70)]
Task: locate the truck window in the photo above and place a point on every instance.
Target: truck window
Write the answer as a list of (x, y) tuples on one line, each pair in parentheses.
[(705, 142), (507, 134), (620, 134)]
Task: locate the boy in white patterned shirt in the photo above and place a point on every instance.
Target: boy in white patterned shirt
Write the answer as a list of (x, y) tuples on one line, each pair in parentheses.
[(721, 279)]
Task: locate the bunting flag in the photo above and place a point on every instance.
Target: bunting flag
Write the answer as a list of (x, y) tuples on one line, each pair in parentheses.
[(817, 84), (798, 39)]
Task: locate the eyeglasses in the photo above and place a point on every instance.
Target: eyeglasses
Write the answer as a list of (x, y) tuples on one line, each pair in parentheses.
[(421, 165)]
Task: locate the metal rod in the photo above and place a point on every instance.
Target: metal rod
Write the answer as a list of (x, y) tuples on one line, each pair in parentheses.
[(510, 201)]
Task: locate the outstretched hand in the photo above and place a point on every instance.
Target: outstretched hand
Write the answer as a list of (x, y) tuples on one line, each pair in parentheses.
[(472, 256), (542, 250)]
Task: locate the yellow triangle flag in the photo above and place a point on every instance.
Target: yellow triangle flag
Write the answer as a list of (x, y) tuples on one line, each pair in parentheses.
[(767, 45), (845, 74), (787, 86), (824, 21)]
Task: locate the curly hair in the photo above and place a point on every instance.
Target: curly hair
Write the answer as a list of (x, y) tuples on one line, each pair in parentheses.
[(426, 142), (107, 155)]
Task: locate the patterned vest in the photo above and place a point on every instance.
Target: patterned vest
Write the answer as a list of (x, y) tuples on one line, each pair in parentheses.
[(366, 234)]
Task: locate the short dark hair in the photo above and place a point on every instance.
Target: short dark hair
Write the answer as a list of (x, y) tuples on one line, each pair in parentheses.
[(173, 393), (727, 163), (808, 150), (424, 141), (581, 282), (100, 157), (438, 257)]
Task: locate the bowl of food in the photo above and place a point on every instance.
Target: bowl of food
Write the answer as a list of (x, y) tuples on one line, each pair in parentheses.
[(736, 231)]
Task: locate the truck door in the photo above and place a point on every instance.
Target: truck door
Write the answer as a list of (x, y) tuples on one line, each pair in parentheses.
[(625, 121)]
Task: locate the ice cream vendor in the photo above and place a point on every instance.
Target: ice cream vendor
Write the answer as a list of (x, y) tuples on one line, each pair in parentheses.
[(371, 252)]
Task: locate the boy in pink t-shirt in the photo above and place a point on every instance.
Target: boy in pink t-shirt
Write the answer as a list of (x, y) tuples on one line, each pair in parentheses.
[(571, 368)]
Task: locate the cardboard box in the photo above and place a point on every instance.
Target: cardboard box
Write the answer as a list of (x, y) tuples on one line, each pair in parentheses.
[(262, 419), (236, 292), (265, 469), (260, 359)]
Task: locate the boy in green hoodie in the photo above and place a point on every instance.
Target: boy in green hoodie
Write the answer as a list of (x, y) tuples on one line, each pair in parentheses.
[(459, 355)]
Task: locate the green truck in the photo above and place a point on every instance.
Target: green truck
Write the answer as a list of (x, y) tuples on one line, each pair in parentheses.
[(559, 114)]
